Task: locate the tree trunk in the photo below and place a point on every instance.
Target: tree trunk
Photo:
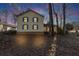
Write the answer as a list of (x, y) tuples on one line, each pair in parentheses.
[(64, 19), (57, 21), (51, 18), (56, 17), (61, 23)]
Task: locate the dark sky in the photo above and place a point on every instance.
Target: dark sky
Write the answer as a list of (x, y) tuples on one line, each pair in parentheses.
[(72, 10)]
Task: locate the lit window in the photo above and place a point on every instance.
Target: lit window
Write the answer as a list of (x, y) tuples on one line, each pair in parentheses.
[(35, 27), (8, 28), (25, 27), (25, 19), (35, 19), (1, 27)]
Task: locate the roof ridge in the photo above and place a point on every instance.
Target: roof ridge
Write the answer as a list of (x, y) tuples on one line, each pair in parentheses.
[(28, 11)]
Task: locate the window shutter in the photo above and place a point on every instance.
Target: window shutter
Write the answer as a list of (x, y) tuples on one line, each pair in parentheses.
[(23, 26), (37, 19), (37, 27), (27, 27), (33, 27), (33, 19)]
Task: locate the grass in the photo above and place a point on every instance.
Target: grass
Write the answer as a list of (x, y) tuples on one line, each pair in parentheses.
[(68, 45), (23, 44), (36, 44)]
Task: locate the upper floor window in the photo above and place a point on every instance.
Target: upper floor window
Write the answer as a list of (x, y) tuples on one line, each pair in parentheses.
[(35, 27), (35, 19), (25, 19)]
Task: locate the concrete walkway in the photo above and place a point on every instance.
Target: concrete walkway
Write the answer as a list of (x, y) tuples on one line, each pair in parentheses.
[(52, 51)]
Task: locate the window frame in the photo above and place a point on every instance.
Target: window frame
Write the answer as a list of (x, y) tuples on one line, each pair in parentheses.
[(26, 21), (26, 26), (33, 19), (34, 25)]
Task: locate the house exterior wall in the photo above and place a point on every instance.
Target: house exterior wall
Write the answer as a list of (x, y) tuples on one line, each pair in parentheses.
[(30, 22), (4, 27), (11, 28), (1, 27), (46, 28)]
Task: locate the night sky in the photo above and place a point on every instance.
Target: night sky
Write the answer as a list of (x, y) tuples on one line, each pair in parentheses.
[(72, 11)]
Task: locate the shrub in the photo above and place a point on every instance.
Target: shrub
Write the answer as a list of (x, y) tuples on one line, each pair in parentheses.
[(10, 32)]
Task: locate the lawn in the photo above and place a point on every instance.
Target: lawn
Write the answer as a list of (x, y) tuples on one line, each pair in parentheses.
[(23, 44), (68, 45)]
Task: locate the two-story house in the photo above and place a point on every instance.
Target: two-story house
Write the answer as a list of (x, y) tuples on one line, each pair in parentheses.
[(30, 21)]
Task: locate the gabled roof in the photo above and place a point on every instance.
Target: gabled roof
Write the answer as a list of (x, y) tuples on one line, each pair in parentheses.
[(28, 11)]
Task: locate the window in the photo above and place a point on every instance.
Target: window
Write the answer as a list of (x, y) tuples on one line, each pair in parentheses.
[(8, 28), (1, 27), (25, 27), (35, 19), (25, 19), (35, 27)]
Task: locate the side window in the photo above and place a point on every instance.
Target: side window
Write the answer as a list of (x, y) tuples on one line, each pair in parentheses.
[(25, 27), (1, 27), (35, 27), (25, 19), (35, 19)]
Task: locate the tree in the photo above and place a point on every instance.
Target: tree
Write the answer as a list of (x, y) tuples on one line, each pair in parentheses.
[(50, 18), (16, 7), (17, 10), (5, 12), (64, 17), (56, 17), (61, 22)]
